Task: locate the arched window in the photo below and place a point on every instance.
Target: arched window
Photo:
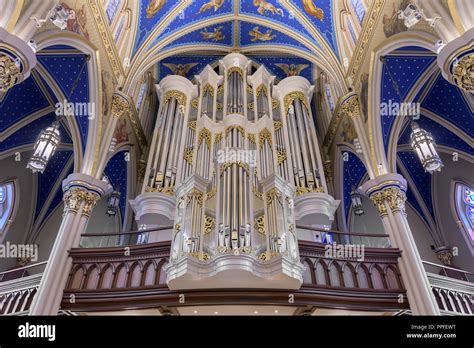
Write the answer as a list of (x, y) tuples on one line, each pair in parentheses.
[(464, 200), (359, 9), (329, 97), (112, 8), (7, 205)]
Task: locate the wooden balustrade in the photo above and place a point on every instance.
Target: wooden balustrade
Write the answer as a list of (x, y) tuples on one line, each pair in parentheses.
[(118, 278)]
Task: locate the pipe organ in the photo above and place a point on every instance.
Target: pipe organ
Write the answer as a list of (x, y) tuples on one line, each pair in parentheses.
[(234, 151)]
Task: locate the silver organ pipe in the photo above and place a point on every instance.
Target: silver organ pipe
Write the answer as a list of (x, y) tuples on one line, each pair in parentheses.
[(235, 170)]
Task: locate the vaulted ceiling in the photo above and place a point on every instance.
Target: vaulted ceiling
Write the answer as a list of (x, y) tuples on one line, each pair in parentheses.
[(290, 24)]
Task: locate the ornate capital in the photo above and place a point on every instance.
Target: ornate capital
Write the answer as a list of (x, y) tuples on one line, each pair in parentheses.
[(463, 73), (394, 196), (445, 255), (351, 107), (120, 105), (9, 73), (75, 196)]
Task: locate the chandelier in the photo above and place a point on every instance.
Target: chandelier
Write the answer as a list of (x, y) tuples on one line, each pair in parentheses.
[(44, 148), (113, 203), (424, 145), (356, 201)]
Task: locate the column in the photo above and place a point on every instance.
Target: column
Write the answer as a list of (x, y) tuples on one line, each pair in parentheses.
[(121, 106), (81, 194), (388, 194)]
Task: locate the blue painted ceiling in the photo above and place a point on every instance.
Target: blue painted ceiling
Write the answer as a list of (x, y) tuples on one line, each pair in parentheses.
[(116, 171), (29, 107), (445, 111), (353, 173), (196, 64), (235, 19)]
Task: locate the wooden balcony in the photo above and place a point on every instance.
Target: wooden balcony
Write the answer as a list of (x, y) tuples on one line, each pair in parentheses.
[(18, 287), (117, 278)]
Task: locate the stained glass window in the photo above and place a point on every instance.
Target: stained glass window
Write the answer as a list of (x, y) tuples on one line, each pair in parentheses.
[(464, 198), (7, 199), (112, 8), (359, 9)]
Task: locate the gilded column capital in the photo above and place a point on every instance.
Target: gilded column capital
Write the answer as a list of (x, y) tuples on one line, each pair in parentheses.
[(81, 188), (120, 105), (9, 73), (75, 196), (394, 196), (463, 73), (387, 188), (351, 107)]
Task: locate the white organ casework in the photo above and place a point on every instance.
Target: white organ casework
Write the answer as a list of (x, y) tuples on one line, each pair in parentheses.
[(233, 165)]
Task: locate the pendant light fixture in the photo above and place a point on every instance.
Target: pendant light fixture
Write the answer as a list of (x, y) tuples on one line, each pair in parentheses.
[(421, 141), (50, 137)]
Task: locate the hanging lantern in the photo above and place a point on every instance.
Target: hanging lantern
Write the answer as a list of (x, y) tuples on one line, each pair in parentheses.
[(356, 200), (44, 148), (425, 147), (113, 203)]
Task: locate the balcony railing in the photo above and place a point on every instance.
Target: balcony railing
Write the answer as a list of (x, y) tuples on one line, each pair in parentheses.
[(18, 287), (453, 288), (110, 279)]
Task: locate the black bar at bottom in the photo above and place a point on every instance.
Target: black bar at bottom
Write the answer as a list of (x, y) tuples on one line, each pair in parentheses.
[(225, 330)]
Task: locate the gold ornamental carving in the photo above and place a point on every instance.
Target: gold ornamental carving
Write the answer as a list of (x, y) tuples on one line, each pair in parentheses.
[(275, 103), (290, 97), (166, 190), (208, 88), (278, 125), (188, 155), (260, 89), (192, 125), (241, 164), (259, 224), (197, 194), (265, 135), (75, 196), (120, 106), (195, 103), (205, 135), (178, 95), (393, 196), (200, 255), (218, 137), (9, 73), (351, 107), (239, 128), (281, 156), (209, 224), (463, 73), (235, 69), (251, 137), (272, 195), (301, 190)]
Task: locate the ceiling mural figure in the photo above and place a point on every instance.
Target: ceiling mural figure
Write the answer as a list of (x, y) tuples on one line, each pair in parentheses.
[(215, 4), (153, 7), (238, 152), (257, 35), (214, 35), (264, 6), (313, 9), (292, 69)]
